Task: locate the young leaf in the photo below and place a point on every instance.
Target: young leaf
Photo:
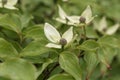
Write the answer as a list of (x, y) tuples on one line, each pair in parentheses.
[(17, 69), (70, 63)]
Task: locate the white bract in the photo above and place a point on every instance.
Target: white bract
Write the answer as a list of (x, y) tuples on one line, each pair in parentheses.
[(54, 36), (75, 20), (9, 4), (65, 0), (103, 27)]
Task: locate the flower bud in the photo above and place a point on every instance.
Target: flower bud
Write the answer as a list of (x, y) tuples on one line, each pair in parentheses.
[(82, 19), (104, 30), (63, 41), (4, 2)]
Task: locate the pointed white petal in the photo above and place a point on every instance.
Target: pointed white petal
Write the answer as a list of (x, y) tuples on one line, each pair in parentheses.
[(0, 3), (9, 7), (74, 19), (51, 33), (64, 0), (51, 45), (64, 21), (102, 24), (61, 20), (68, 35), (112, 29), (62, 14), (87, 13), (11, 2), (88, 21)]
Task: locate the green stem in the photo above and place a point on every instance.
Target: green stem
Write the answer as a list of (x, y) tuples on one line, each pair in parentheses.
[(21, 37), (84, 32)]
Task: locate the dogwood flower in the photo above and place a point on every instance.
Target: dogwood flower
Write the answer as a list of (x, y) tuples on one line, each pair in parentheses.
[(9, 4), (75, 20), (56, 40), (103, 27)]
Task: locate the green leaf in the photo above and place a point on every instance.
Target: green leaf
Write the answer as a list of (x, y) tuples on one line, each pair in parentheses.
[(103, 57), (36, 32), (25, 19), (109, 40), (70, 63), (91, 61), (89, 45), (43, 67), (35, 48), (17, 69), (106, 56), (4, 78), (11, 22), (61, 77), (7, 49)]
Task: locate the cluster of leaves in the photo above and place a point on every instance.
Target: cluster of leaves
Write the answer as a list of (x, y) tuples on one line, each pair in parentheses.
[(24, 55)]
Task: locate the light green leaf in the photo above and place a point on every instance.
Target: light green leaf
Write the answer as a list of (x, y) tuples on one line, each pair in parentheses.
[(103, 57), (109, 40), (108, 55), (17, 69), (91, 61), (89, 45), (35, 48), (61, 77), (36, 32), (70, 63), (11, 22), (25, 19), (7, 49)]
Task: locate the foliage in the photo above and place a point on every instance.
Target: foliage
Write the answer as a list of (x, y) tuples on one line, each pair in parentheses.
[(52, 40)]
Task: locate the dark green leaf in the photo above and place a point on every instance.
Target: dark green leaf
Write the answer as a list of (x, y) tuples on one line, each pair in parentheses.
[(43, 67)]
